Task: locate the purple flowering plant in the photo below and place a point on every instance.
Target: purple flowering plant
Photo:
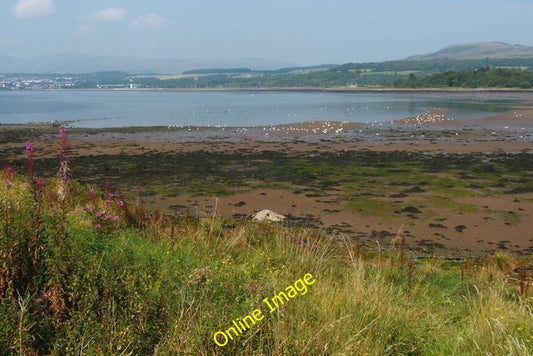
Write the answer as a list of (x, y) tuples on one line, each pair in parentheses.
[(105, 211)]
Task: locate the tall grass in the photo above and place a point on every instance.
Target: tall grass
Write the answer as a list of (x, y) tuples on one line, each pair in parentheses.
[(92, 275)]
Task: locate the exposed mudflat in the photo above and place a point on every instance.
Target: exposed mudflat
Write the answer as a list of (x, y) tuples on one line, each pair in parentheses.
[(450, 186)]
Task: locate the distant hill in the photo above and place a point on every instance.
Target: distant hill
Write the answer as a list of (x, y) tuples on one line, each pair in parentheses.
[(492, 50), (79, 63), (457, 57)]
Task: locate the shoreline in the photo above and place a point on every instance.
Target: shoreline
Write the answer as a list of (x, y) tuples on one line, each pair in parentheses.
[(435, 90)]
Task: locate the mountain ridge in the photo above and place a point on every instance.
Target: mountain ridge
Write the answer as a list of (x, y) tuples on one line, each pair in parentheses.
[(79, 63), (479, 50)]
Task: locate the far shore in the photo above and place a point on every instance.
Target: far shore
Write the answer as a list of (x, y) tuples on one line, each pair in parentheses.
[(346, 89)]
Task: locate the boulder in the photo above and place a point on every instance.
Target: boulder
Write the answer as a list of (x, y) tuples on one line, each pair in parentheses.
[(267, 215)]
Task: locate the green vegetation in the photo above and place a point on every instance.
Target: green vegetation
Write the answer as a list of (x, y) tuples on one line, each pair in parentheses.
[(84, 272), (482, 78), (216, 71), (355, 172), (438, 65), (369, 206), (433, 73), (381, 74), (93, 80)]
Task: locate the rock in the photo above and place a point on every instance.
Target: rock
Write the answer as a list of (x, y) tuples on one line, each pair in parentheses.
[(415, 189), (411, 210), (525, 271), (267, 215)]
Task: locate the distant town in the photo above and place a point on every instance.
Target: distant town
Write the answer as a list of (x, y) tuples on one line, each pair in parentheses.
[(25, 82), (107, 80)]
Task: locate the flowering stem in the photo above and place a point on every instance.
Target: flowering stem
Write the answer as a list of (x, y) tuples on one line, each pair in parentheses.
[(63, 163), (30, 159)]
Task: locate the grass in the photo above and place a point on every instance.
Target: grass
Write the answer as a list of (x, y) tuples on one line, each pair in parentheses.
[(163, 290), (92, 274), (442, 202), (369, 206), (511, 218)]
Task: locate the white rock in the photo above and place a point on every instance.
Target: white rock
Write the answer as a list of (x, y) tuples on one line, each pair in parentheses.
[(267, 215)]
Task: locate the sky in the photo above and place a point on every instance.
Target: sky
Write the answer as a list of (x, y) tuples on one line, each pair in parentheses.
[(300, 32)]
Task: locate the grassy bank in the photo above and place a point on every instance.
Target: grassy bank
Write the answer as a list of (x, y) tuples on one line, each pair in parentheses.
[(83, 271)]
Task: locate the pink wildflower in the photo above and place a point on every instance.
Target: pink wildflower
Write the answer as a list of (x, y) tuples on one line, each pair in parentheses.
[(40, 182), (121, 203), (63, 144), (44, 297), (63, 171), (92, 197)]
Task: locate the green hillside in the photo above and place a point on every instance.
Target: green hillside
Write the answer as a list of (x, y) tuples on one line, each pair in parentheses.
[(484, 50)]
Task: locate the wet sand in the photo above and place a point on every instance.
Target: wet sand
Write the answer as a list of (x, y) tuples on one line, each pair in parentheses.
[(457, 226)]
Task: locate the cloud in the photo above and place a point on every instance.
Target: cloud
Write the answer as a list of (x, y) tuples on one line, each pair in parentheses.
[(149, 21), (84, 29), (109, 14), (32, 8)]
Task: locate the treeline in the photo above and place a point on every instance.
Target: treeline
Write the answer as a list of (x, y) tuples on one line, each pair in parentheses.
[(486, 77), (323, 79), (438, 65), (218, 70), (260, 72), (92, 80), (315, 79)]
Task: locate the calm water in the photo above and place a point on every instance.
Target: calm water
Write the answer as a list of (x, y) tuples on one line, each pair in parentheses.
[(150, 108)]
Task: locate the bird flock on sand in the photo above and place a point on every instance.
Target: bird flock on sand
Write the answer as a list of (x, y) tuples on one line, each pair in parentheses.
[(318, 127), (428, 118), (325, 127)]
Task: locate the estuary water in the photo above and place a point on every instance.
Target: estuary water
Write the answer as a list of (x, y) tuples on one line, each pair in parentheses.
[(121, 108)]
